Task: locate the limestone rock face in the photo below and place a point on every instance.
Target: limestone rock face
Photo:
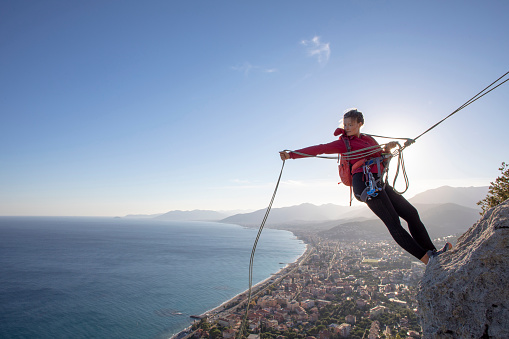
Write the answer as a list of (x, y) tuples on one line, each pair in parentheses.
[(465, 292)]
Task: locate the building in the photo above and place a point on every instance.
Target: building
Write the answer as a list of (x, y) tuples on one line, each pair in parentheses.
[(307, 303), (374, 331), (397, 301), (325, 334), (292, 306), (361, 303), (266, 301), (229, 333), (351, 319), (376, 311), (224, 322), (344, 330)]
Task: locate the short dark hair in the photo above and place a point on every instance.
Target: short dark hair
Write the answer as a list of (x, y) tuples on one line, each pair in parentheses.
[(354, 113)]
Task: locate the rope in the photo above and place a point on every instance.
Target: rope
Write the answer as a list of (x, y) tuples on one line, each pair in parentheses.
[(311, 156), (366, 152), (473, 99), (354, 155), (401, 164), (381, 136), (251, 260)]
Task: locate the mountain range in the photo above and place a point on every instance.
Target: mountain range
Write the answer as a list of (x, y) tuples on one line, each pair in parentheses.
[(445, 210), (440, 220), (464, 196), (196, 215)]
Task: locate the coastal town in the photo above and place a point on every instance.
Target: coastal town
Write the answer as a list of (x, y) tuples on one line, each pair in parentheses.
[(363, 289)]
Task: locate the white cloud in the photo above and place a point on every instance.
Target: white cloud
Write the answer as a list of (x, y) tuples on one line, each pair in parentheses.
[(318, 49), (247, 68)]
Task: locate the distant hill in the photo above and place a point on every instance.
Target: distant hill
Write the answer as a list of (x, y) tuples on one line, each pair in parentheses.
[(144, 216), (446, 219), (444, 210), (297, 217), (196, 215), (372, 229), (440, 220), (296, 214), (464, 196)]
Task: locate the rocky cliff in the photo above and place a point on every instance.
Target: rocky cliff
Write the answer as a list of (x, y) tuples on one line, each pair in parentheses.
[(465, 292)]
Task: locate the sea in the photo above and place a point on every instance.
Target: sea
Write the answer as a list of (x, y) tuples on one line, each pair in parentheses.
[(77, 277)]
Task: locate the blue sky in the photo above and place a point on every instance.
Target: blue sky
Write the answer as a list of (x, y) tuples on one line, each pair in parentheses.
[(126, 107)]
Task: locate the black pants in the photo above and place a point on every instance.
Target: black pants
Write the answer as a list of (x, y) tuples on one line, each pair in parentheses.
[(389, 206)]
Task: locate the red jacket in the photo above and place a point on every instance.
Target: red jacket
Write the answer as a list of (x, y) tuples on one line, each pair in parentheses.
[(338, 146)]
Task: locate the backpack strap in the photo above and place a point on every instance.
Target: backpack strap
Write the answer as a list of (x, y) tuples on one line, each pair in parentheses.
[(349, 149)]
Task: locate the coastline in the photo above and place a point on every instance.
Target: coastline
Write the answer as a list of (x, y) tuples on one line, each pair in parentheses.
[(256, 286), (241, 298)]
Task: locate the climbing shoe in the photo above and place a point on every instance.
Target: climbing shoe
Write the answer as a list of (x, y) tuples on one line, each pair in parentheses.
[(444, 249), (432, 254)]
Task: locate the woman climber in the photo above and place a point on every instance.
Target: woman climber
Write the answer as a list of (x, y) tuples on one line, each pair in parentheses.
[(388, 205)]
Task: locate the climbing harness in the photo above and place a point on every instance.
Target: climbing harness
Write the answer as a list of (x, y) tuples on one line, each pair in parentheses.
[(374, 184)]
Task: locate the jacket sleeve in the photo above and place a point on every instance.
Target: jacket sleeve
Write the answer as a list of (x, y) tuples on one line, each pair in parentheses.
[(335, 147)]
